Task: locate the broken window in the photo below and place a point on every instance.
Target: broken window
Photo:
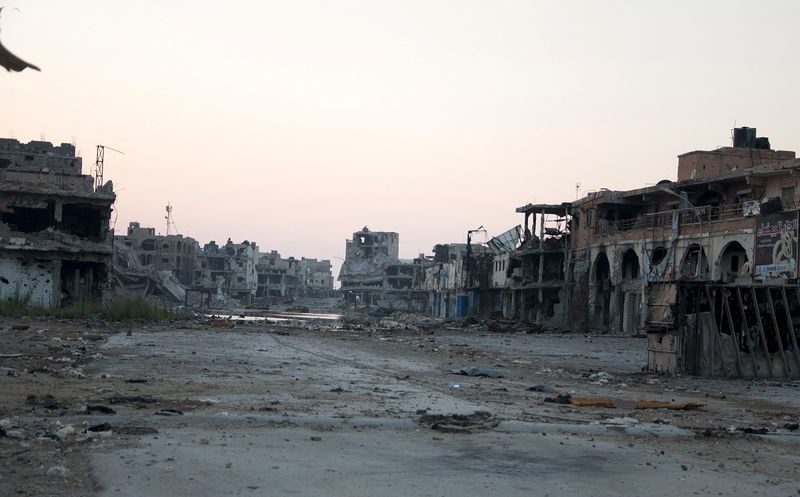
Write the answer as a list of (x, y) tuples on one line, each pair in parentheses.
[(82, 220), (148, 244), (29, 218)]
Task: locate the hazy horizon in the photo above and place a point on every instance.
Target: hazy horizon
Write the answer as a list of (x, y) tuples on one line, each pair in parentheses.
[(296, 124)]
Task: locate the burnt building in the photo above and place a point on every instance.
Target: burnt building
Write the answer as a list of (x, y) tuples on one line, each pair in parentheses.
[(55, 242)]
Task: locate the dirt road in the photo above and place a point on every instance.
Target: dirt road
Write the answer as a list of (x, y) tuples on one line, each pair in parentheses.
[(278, 410)]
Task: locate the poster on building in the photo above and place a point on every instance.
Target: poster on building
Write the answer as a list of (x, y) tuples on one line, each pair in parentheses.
[(776, 245)]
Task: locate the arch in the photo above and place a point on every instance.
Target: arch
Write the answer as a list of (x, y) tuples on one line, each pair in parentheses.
[(695, 263), (629, 268), (658, 255), (731, 261), (602, 269), (602, 291)]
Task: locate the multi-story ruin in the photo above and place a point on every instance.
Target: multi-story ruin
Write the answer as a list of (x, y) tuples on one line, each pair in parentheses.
[(317, 277), (278, 277), (174, 253), (373, 274), (228, 271), (290, 277), (55, 242)]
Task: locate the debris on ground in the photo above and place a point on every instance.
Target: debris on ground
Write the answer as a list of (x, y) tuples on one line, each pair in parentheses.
[(459, 423), (542, 388), (623, 403), (482, 371), (168, 412), (98, 408)]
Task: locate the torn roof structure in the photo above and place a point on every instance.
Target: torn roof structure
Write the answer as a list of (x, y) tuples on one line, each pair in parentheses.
[(55, 243)]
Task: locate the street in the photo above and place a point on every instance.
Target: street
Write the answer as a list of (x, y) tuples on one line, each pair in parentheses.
[(267, 409)]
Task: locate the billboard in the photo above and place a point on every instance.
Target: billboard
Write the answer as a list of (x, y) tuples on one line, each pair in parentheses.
[(776, 245)]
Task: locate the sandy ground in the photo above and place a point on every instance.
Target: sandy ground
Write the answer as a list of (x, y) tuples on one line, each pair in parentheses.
[(264, 409)]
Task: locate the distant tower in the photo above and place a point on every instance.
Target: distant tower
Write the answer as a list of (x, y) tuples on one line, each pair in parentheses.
[(170, 222)]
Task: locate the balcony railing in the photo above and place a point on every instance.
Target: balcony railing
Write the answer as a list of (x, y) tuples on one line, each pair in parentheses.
[(686, 217)]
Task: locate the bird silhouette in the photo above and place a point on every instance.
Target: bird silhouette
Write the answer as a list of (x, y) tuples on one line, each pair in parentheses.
[(10, 61)]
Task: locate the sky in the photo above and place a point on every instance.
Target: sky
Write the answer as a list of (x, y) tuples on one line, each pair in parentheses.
[(295, 123)]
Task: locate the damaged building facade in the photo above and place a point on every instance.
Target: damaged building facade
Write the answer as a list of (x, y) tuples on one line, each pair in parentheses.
[(55, 242), (174, 253), (228, 272), (280, 278), (706, 264), (373, 274)]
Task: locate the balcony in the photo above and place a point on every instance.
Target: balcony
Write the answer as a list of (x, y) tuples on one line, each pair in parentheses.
[(692, 216)]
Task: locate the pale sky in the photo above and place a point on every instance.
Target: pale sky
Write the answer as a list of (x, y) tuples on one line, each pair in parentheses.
[(295, 123)]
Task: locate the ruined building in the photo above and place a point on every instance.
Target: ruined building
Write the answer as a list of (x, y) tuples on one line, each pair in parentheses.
[(317, 277), (174, 253), (373, 274), (282, 278), (454, 279), (707, 264), (278, 277), (228, 272), (55, 242)]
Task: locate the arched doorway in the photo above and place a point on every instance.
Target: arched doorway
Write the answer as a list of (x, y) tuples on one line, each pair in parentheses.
[(603, 289), (629, 296), (630, 265), (695, 264), (731, 262)]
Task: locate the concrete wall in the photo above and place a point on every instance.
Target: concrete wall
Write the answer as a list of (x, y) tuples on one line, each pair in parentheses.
[(31, 281)]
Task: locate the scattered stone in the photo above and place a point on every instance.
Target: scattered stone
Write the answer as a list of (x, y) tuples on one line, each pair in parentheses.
[(100, 409), (168, 412), (337, 389), (316, 439), (57, 471), (482, 371), (136, 380), (20, 327), (203, 441), (684, 467), (46, 401), (561, 399), (542, 388), (66, 431), (621, 421), (791, 426), (92, 337), (100, 427), (131, 399), (18, 434), (459, 423), (754, 431)]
